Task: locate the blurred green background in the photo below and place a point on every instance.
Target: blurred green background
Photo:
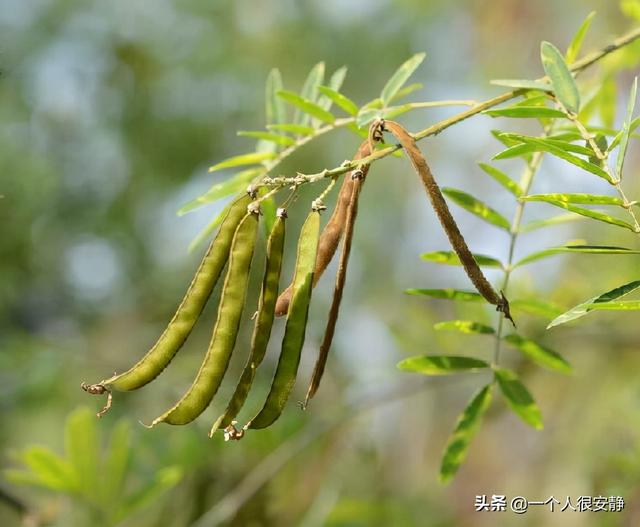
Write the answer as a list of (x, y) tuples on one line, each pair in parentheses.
[(111, 112)]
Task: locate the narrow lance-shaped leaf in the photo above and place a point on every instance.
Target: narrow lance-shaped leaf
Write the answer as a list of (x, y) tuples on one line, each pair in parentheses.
[(464, 326), (545, 357), (593, 214), (518, 398), (576, 43), (278, 139), (441, 364), (503, 179), (526, 112), (564, 85), (477, 207), (340, 100), (522, 84), (367, 115), (561, 219), (407, 90), (335, 83), (82, 449), (626, 129), (451, 258), (588, 249), (46, 469), (116, 462), (254, 158), (567, 146), (582, 309), (581, 199), (400, 77), (535, 307), (291, 128), (309, 92), (624, 305), (466, 428), (307, 106), (618, 136), (447, 294), (275, 111)]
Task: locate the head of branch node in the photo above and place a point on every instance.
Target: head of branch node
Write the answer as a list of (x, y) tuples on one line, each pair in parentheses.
[(251, 190), (231, 433), (357, 174), (254, 208), (281, 212), (318, 205)]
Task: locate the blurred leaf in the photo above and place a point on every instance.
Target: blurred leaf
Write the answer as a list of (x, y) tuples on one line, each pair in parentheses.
[(518, 398), (116, 463), (441, 364), (631, 8), (274, 106), (367, 115), (82, 449), (625, 305), (522, 84), (206, 232), (394, 111), (576, 43), (582, 309), (267, 136), (451, 258), (545, 357), (535, 145), (590, 249), (626, 129), (608, 99), (341, 100), (534, 112), (551, 148), (164, 480), (502, 179), (549, 222), (407, 90), (254, 158), (584, 199), (335, 83), (593, 214), (564, 85), (229, 186), (307, 106), (46, 469), (309, 93), (292, 128), (616, 140), (463, 326), (400, 77), (535, 307), (447, 294), (477, 207), (466, 428)]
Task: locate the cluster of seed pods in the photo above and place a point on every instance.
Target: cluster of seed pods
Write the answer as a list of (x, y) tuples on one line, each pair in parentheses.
[(233, 247)]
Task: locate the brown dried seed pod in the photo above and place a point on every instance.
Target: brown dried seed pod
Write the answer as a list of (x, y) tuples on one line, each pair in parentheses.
[(446, 219), (331, 234)]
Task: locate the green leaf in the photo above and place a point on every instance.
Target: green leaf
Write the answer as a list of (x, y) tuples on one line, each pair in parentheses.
[(307, 106), (631, 8), (626, 129), (590, 249), (477, 207), (583, 199), (208, 229), (535, 307), (116, 463), (534, 112), (309, 93), (567, 146), (502, 179), (341, 100), (523, 84), (407, 90), (447, 294), (271, 137), (451, 258), (394, 111), (618, 136), (164, 480), (582, 309), (576, 43), (367, 115), (464, 326), (232, 185), (551, 148), (464, 431), (47, 469), (400, 77), (292, 128), (83, 449), (625, 305), (441, 364), (518, 398), (545, 357), (564, 85), (561, 219), (335, 83), (274, 106), (593, 214), (254, 158)]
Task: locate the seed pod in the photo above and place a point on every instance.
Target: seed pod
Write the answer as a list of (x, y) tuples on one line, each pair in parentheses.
[(357, 178), (225, 331), (263, 322), (446, 219), (330, 236), (293, 340), (189, 310)]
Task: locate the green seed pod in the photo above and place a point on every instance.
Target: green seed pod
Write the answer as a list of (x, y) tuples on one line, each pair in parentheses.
[(225, 331), (189, 310), (263, 322), (293, 340)]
